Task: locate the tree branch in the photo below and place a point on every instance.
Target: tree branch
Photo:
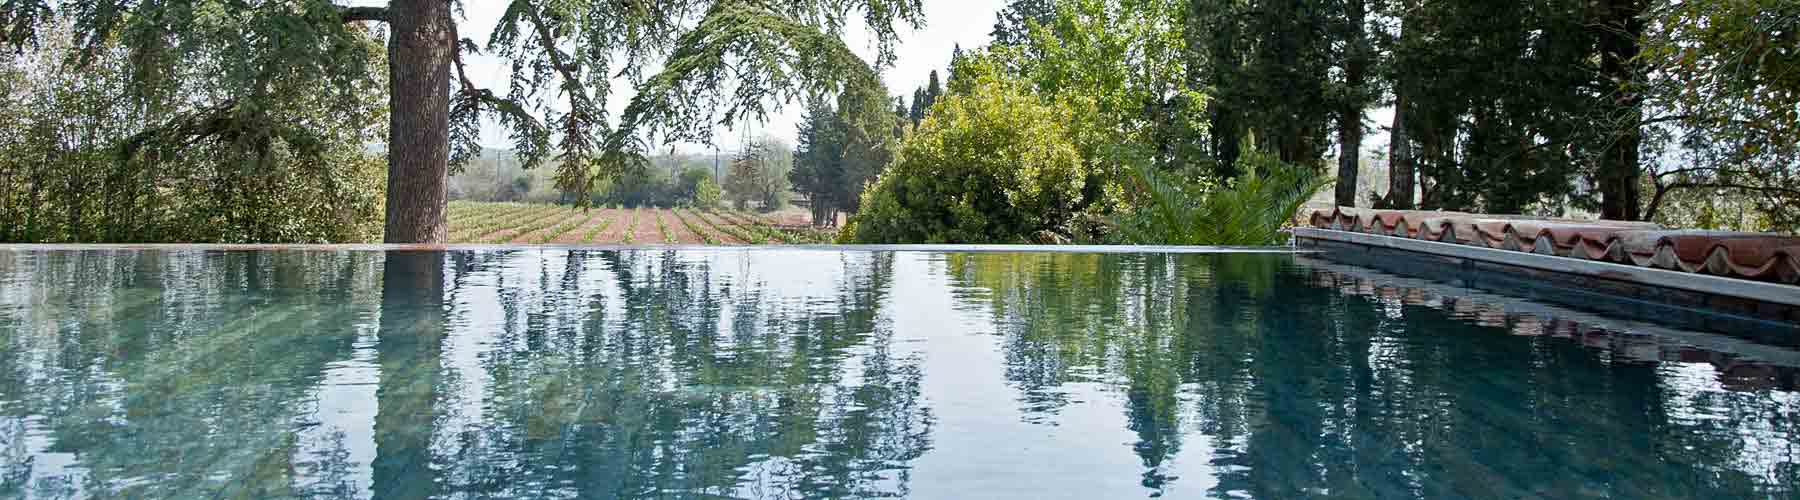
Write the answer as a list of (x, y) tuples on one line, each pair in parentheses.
[(201, 123), (354, 14)]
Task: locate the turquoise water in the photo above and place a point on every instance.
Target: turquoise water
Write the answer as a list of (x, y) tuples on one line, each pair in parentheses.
[(814, 374)]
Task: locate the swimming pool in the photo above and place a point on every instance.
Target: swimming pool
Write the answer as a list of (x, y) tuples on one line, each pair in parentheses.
[(768, 373)]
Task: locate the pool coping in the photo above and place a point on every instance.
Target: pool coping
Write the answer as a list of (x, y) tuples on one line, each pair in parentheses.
[(383, 247), (1511, 304), (1702, 283), (1733, 306)]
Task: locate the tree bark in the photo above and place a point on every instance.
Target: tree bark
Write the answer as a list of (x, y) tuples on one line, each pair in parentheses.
[(409, 350), (1619, 30), (1222, 119), (1400, 158), (1350, 126), (420, 50)]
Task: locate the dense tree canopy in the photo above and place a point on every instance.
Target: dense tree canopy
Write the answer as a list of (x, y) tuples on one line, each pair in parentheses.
[(81, 159), (993, 164), (693, 64), (1674, 110), (1722, 117)]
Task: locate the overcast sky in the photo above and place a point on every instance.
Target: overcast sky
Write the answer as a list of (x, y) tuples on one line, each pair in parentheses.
[(949, 22)]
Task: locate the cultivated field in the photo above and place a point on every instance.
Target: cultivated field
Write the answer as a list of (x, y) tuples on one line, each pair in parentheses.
[(526, 223)]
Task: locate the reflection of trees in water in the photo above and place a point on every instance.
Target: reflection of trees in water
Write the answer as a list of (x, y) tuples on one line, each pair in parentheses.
[(593, 374), (1306, 392), (640, 392), (156, 374)]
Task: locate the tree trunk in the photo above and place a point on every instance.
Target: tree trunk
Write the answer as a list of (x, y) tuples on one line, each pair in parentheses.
[(1432, 195), (1350, 126), (409, 350), (420, 49), (1349, 153), (1619, 30), (1222, 119), (1400, 158)]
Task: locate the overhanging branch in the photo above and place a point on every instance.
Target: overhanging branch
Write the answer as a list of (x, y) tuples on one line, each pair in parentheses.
[(354, 14), (210, 121)]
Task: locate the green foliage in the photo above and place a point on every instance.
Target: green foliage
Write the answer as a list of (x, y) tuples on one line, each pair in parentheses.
[(842, 149), (1248, 210), (227, 70), (773, 52), (663, 227), (992, 166), (1503, 148), (1723, 88), (635, 215), (85, 155), (759, 175), (1012, 25), (706, 193)]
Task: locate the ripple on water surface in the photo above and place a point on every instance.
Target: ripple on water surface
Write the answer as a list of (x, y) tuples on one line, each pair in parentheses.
[(810, 374)]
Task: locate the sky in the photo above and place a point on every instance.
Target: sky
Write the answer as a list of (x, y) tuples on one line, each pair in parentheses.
[(949, 22)]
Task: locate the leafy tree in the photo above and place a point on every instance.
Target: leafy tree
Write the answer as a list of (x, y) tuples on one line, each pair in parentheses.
[(991, 165), (932, 91), (917, 112), (303, 175), (1722, 109), (1012, 24), (759, 175), (1116, 65), (819, 161), (706, 193), (564, 56), (1283, 80), (843, 148), (1496, 103)]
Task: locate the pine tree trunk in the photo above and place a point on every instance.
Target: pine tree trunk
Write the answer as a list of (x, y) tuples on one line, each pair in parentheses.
[(1350, 127), (419, 56), (1400, 158), (1619, 30)]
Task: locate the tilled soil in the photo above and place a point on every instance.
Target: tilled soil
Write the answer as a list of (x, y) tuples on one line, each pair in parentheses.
[(683, 236), (615, 233), (700, 221), (600, 216), (539, 235)]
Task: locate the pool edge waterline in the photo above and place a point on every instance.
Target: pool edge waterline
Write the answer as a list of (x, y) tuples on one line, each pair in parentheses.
[(383, 247)]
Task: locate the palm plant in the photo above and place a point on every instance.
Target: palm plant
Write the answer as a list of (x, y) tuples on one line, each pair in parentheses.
[(1248, 210)]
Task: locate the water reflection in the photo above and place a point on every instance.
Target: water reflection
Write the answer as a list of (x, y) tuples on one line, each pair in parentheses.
[(1305, 384), (591, 375), (755, 374)]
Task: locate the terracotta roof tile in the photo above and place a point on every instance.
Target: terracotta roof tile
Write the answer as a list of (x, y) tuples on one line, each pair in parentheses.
[(1756, 256)]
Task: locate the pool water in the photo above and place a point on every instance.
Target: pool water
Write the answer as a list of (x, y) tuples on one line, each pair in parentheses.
[(756, 373)]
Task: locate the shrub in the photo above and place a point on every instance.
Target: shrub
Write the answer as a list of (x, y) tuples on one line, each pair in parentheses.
[(994, 165), (1247, 210), (706, 193)]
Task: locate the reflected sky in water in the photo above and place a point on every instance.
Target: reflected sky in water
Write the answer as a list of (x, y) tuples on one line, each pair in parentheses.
[(756, 373)]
